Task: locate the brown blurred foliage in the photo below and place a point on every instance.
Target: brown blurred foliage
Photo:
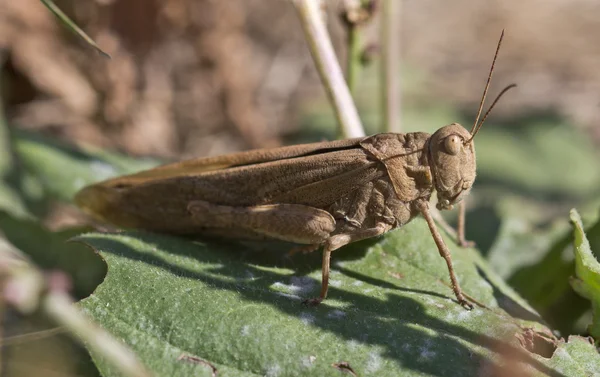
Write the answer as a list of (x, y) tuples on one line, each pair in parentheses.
[(186, 77), (198, 77)]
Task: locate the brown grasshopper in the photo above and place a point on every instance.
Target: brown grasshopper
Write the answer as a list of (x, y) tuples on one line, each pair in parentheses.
[(322, 194)]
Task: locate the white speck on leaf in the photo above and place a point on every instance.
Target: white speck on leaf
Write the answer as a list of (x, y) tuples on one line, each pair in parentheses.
[(353, 344), (307, 318), (287, 295), (374, 362), (245, 330), (273, 371), (298, 285), (357, 283), (463, 315), (307, 362), (278, 285), (335, 283), (301, 284), (425, 351), (336, 314)]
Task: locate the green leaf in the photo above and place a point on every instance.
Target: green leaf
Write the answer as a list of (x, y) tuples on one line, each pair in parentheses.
[(576, 357), (537, 260), (72, 26), (390, 311), (587, 273)]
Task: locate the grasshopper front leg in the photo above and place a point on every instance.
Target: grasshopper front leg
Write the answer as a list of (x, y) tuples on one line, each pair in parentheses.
[(423, 207)]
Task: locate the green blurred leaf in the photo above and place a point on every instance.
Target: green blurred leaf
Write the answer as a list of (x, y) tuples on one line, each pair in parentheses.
[(586, 281), (10, 200), (33, 337), (63, 169), (50, 250), (552, 159), (69, 24), (388, 312)]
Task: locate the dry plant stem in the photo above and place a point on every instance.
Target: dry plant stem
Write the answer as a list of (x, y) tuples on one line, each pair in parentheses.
[(19, 276), (353, 64), (329, 68), (390, 65), (60, 307)]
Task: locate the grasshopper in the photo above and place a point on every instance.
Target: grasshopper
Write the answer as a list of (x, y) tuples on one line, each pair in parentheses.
[(325, 194)]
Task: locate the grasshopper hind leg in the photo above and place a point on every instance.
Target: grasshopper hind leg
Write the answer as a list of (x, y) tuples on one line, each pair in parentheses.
[(287, 222)]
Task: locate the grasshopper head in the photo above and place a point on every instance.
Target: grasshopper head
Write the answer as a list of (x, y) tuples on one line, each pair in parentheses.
[(452, 152), (452, 162)]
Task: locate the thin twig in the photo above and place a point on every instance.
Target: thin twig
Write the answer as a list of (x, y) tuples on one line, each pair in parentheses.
[(69, 24), (390, 65), (329, 68), (26, 289)]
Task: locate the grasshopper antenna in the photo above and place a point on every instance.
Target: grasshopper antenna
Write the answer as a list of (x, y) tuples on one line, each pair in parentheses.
[(489, 110), (477, 125)]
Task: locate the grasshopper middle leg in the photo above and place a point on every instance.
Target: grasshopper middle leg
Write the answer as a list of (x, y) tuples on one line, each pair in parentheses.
[(334, 243), (287, 222)]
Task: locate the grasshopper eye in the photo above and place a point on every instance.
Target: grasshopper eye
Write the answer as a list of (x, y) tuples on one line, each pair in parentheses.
[(453, 143)]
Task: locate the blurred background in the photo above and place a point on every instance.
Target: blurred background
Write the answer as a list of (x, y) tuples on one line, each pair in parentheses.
[(205, 77)]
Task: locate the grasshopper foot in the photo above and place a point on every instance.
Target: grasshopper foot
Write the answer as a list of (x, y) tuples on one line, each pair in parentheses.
[(465, 304), (312, 302), (466, 244)]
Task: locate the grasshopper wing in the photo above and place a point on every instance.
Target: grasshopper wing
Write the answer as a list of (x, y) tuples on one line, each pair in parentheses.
[(315, 175)]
